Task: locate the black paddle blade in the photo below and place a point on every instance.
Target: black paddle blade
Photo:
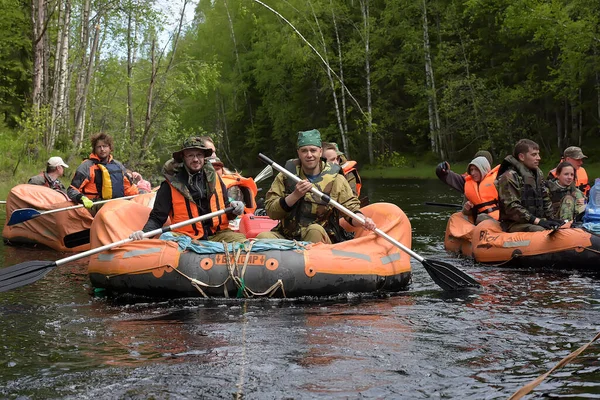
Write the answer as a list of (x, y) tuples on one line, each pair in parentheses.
[(23, 274), (448, 277)]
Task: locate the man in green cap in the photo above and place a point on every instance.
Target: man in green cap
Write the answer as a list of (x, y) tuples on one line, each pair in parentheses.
[(190, 192), (301, 214)]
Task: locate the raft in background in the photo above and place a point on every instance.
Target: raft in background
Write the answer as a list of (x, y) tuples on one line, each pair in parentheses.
[(486, 243), (67, 230), (156, 267)]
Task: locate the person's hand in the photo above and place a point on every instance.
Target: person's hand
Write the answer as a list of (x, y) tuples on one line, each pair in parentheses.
[(443, 167), (467, 206), (136, 177), (550, 223), (238, 207), (137, 235), (87, 203), (580, 202), (369, 224), (302, 188)]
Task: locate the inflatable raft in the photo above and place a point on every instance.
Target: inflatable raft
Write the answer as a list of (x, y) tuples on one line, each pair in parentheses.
[(62, 231), (279, 268), (486, 243)]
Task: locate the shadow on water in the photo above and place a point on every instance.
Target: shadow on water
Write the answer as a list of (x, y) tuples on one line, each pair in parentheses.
[(61, 341)]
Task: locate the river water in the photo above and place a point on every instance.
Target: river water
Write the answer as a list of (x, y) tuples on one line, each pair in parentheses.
[(61, 341)]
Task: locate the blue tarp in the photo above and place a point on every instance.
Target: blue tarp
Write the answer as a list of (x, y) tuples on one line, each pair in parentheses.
[(593, 227), (206, 247)]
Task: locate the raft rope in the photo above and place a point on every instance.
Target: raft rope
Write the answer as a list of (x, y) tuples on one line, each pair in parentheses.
[(576, 248), (531, 385), (236, 274)]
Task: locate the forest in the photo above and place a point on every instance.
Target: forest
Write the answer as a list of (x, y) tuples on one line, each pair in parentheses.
[(388, 80)]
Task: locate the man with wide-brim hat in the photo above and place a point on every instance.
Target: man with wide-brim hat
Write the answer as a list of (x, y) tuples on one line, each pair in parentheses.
[(301, 214), (192, 191), (574, 155)]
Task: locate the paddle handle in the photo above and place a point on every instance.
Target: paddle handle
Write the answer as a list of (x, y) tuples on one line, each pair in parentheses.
[(340, 207), (146, 235), (2, 201), (81, 205)]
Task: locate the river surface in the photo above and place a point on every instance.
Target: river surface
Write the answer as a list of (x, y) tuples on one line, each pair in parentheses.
[(61, 341)]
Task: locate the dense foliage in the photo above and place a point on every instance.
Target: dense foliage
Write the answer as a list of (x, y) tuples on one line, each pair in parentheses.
[(437, 78)]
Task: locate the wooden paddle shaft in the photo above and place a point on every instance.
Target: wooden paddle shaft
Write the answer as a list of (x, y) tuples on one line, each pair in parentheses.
[(340, 207), (146, 235)]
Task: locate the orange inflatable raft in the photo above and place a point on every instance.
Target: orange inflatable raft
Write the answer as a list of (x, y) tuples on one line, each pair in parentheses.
[(567, 249), (62, 231), (279, 268)]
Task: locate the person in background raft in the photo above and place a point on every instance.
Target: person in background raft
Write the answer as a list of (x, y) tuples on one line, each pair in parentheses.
[(575, 156), (568, 202), (525, 204), (194, 190), (55, 168), (301, 214), (332, 154), (233, 192), (480, 192), (100, 176), (457, 181)]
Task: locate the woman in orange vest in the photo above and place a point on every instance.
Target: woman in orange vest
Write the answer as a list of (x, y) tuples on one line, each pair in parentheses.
[(480, 192)]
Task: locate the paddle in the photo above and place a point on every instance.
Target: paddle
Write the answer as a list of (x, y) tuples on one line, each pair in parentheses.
[(430, 203), (2, 201), (25, 214), (30, 271), (264, 174), (447, 276)]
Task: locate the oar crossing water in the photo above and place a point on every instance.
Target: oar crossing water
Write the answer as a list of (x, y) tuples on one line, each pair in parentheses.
[(30, 271), (447, 276)]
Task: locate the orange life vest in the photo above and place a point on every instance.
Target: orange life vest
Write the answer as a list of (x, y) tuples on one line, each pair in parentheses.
[(350, 167), (184, 209), (484, 195), (581, 182), (248, 188), (105, 181)]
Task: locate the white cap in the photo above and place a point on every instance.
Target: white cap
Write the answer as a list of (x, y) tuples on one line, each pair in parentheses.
[(56, 161)]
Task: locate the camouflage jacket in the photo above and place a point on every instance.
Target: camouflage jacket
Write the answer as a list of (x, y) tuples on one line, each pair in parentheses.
[(522, 193), (564, 200), (292, 218)]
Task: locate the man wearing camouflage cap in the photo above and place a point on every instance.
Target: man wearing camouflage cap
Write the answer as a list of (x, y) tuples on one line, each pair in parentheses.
[(190, 192), (332, 154), (575, 156), (301, 214)]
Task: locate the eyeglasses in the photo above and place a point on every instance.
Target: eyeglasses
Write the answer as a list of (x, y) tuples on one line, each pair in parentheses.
[(199, 156)]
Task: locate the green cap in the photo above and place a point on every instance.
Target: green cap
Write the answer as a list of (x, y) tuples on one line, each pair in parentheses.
[(309, 138), (193, 142), (337, 149)]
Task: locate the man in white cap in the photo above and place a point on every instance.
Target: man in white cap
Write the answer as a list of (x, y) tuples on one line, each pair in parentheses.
[(575, 156), (55, 168)]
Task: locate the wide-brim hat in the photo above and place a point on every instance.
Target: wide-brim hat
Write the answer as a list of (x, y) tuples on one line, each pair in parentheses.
[(192, 143)]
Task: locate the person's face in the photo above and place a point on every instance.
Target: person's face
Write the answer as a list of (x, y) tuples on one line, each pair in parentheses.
[(309, 156), (566, 176), (531, 159), (218, 169), (102, 149), (577, 163), (193, 159), (61, 170), (475, 173), (331, 156)]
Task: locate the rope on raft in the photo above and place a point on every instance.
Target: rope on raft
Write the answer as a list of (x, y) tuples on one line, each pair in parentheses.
[(236, 274)]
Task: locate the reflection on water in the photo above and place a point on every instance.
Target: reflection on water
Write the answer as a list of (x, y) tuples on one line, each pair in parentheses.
[(60, 341)]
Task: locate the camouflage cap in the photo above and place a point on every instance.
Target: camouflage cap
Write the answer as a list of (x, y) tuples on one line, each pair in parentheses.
[(193, 142), (309, 138), (574, 152), (337, 149), (486, 154)]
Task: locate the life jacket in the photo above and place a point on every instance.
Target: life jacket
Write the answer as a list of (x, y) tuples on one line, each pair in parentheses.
[(106, 181), (247, 186), (532, 190), (184, 208), (581, 180), (349, 167), (484, 194), (310, 209)]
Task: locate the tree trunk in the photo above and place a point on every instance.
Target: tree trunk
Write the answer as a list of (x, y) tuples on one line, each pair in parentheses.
[(80, 119), (38, 17), (84, 36), (130, 61), (58, 114), (342, 86), (434, 117), (367, 28), (559, 131)]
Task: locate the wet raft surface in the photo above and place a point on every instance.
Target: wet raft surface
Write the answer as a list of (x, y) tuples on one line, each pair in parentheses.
[(61, 342)]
